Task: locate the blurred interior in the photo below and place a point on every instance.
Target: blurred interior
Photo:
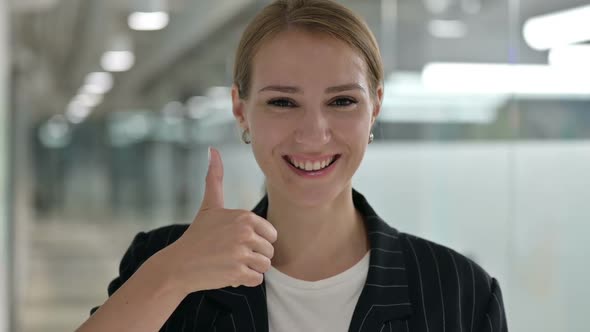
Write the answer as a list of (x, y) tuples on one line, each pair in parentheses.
[(107, 108)]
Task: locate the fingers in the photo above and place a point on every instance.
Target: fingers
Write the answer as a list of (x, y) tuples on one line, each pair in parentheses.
[(249, 276), (213, 197), (252, 278), (249, 221), (262, 246), (259, 262), (264, 228)]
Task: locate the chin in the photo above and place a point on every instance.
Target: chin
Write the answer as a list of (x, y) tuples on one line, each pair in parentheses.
[(312, 196)]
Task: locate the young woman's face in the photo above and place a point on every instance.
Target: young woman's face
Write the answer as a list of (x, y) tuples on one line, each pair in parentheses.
[(309, 113)]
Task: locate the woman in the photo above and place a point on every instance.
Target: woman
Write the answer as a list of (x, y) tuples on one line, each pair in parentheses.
[(312, 255)]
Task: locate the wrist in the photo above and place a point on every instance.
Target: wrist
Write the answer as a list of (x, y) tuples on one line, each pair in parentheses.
[(163, 276)]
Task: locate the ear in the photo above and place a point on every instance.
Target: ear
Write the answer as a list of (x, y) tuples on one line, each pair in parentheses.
[(377, 104), (239, 108)]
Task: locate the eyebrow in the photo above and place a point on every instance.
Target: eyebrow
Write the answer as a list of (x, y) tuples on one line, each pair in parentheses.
[(294, 89)]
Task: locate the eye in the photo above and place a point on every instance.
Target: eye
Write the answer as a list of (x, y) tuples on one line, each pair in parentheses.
[(281, 102), (343, 102)]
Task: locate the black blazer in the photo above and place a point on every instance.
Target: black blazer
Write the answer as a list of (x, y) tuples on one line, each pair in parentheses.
[(412, 285)]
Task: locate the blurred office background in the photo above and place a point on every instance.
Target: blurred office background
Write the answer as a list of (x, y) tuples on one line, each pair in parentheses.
[(107, 108)]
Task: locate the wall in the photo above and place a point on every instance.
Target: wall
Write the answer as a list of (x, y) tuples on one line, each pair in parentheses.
[(4, 152)]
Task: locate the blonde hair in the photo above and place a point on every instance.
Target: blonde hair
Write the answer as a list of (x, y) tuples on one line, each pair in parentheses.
[(321, 16)]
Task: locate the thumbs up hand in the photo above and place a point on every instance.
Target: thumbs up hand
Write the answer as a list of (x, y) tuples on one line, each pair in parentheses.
[(221, 247)]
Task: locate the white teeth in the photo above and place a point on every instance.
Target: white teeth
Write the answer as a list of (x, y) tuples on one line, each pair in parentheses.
[(316, 166), (311, 165)]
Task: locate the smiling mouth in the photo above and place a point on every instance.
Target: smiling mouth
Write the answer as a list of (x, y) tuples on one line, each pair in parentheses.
[(311, 166)]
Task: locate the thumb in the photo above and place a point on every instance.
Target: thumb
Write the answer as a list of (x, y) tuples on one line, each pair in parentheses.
[(213, 197)]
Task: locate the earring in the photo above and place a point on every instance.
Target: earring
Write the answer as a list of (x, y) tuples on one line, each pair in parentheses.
[(246, 136), (371, 137)]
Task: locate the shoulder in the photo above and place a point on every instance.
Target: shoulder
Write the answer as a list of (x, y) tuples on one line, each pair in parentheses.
[(447, 287), (432, 265), (150, 242), (146, 244)]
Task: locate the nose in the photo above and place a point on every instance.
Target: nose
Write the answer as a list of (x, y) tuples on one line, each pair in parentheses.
[(313, 128)]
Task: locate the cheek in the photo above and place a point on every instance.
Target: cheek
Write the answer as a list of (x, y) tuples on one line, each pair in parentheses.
[(267, 133), (353, 129), (266, 129)]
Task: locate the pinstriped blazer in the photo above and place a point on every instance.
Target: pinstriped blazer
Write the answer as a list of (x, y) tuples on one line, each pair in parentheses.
[(412, 285)]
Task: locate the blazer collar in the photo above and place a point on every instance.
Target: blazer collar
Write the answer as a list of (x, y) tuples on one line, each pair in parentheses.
[(384, 296)]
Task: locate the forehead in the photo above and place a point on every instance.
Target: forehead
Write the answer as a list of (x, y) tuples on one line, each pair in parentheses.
[(306, 58)]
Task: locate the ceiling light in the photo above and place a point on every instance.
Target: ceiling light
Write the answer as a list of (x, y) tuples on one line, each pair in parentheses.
[(98, 82), (88, 100), (481, 78), (575, 57), (148, 21), (76, 112), (117, 61), (558, 29)]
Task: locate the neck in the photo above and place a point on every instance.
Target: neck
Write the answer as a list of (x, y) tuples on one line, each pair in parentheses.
[(319, 241)]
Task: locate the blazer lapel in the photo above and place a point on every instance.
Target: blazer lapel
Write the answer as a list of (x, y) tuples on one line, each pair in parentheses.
[(385, 296), (244, 306)]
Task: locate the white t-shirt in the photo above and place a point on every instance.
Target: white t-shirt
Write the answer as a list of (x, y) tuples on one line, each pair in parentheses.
[(323, 305)]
